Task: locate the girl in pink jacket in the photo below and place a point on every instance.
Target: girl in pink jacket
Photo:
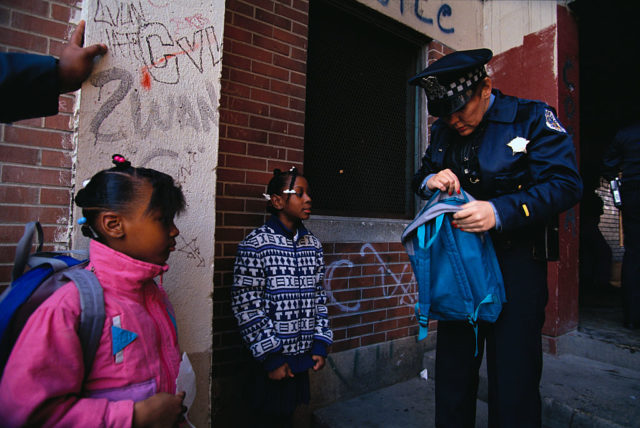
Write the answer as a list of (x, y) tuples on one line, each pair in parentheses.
[(128, 212)]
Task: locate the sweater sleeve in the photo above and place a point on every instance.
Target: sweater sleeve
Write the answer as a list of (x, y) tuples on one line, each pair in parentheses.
[(322, 331), (28, 86), (248, 303), (43, 379)]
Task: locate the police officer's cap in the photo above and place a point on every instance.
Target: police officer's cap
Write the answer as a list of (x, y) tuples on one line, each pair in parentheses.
[(449, 81)]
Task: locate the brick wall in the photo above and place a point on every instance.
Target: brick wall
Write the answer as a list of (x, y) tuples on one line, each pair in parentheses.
[(370, 286), (35, 161)]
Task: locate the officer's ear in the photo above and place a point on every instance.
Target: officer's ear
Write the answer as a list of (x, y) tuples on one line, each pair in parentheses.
[(487, 86)]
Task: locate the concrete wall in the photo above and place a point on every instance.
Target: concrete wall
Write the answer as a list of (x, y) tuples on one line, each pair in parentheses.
[(154, 98)]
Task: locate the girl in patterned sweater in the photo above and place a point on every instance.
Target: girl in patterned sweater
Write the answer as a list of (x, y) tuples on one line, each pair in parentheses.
[(279, 302)]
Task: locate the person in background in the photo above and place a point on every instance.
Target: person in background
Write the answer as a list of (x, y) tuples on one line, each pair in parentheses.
[(280, 304), (513, 156), (623, 156), (30, 84), (128, 214)]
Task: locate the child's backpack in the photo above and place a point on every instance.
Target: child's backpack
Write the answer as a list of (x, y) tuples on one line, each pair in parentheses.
[(49, 271), (457, 272)]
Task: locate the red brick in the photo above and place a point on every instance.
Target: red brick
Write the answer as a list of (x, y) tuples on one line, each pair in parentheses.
[(375, 316), (256, 122), (360, 330), (346, 297), (12, 234), (387, 302), (236, 61), (234, 89), (344, 345), (264, 4), (298, 78), (385, 325), (18, 195), (230, 175), (297, 104), (288, 89), (252, 52), (22, 214), (39, 25), (239, 7), (301, 5), (229, 235), (248, 106), (56, 159), (246, 134), (289, 64), (24, 41), (55, 197), (348, 247), (243, 190), (262, 150), (295, 15), (7, 254), (252, 25), (283, 165), (300, 29), (66, 103), (289, 38), (299, 54), (286, 141), (295, 130), (256, 206), (235, 219), (18, 155), (229, 204), (60, 121), (278, 21), (397, 334), (17, 174), (227, 146), (271, 45), (288, 115), (361, 281), (295, 156), (269, 97), (5, 16), (271, 71), (337, 283), (234, 118), (261, 178), (344, 321), (56, 47), (372, 339), (242, 76), (60, 13), (36, 7), (339, 334)]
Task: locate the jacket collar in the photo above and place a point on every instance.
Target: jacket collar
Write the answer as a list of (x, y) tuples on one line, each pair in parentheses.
[(504, 108), (117, 270), (279, 228)]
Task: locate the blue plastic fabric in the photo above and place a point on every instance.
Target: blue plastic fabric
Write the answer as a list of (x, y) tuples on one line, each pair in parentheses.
[(457, 272)]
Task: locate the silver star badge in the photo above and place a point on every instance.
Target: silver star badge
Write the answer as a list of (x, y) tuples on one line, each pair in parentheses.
[(518, 145)]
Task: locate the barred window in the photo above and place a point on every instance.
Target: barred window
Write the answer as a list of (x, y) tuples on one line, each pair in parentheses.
[(360, 123)]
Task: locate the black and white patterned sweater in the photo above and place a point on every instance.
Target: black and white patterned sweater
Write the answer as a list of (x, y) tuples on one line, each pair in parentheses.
[(278, 298)]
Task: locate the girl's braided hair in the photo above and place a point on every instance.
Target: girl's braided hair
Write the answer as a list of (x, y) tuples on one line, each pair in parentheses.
[(278, 182), (116, 188)]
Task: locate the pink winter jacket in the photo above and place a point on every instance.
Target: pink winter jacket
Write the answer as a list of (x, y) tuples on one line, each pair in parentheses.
[(43, 381)]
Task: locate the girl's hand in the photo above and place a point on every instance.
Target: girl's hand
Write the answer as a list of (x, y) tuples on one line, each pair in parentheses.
[(445, 181), (475, 216), (320, 361), (281, 372), (159, 411)]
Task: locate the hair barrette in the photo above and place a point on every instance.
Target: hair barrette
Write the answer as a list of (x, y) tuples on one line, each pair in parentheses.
[(293, 168), (82, 220), (267, 196), (85, 182), (120, 161), (289, 191)]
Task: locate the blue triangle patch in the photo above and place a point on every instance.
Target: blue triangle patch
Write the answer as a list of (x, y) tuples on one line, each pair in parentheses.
[(121, 338)]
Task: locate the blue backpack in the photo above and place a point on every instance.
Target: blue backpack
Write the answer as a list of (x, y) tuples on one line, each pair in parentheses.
[(457, 272), (49, 271)]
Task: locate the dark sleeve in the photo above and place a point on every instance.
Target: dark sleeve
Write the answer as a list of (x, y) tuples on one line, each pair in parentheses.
[(427, 167), (612, 159), (28, 86), (556, 184)]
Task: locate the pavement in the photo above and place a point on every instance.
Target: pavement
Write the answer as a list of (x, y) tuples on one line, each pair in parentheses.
[(594, 381)]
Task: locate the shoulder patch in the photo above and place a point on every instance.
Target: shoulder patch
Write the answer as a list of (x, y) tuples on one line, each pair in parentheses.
[(552, 122)]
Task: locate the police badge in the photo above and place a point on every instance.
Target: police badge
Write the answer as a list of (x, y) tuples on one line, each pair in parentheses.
[(433, 88), (552, 122)]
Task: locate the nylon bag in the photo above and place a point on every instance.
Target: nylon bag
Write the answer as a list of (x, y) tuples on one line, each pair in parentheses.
[(48, 272), (457, 272)]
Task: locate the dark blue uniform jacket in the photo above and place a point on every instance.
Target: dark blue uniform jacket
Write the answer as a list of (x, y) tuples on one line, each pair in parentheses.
[(529, 184), (28, 86)]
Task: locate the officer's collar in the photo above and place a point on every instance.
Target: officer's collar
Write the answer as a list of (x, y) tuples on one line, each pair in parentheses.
[(502, 109)]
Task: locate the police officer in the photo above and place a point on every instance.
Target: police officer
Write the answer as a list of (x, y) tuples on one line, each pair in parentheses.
[(516, 159), (623, 155)]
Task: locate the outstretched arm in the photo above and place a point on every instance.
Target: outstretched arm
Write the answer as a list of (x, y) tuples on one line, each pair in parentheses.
[(76, 61)]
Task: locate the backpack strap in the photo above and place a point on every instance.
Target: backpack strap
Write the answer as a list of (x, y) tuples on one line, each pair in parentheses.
[(92, 315), (473, 318), (23, 249)]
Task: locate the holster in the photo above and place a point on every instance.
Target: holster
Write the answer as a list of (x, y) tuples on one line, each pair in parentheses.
[(546, 242)]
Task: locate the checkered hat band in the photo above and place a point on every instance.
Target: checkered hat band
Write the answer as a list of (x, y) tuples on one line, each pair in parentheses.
[(464, 82)]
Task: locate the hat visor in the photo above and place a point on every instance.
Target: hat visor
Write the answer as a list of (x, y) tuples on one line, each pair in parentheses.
[(447, 106)]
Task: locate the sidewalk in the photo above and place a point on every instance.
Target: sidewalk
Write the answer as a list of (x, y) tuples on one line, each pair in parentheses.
[(593, 383)]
